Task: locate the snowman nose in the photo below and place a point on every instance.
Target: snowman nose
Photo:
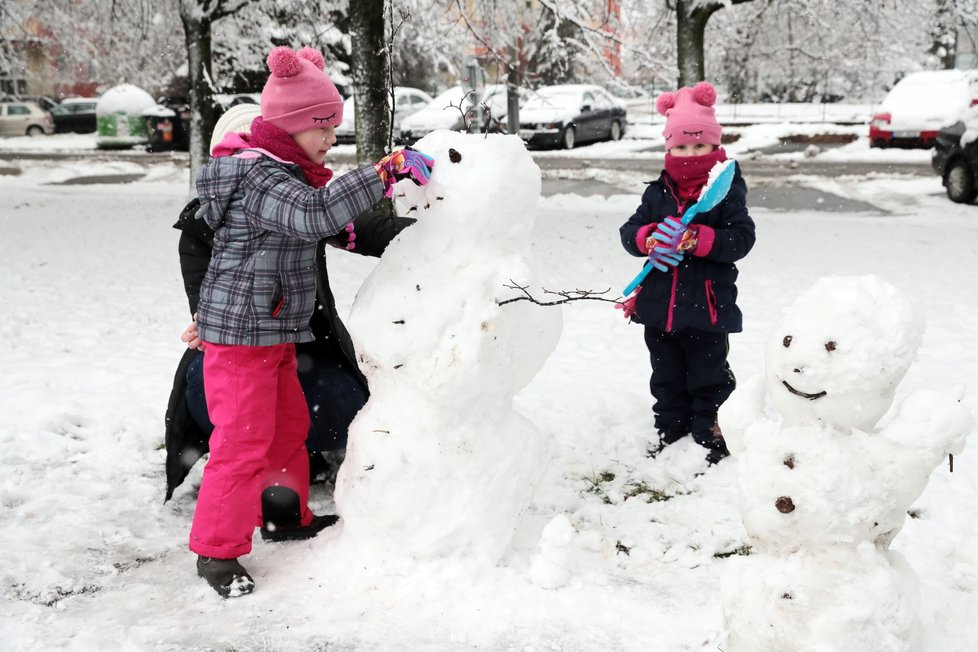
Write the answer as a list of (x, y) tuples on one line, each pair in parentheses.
[(799, 370)]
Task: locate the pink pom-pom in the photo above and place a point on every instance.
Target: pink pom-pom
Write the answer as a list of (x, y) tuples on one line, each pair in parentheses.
[(310, 54), (665, 102), (283, 62), (704, 93)]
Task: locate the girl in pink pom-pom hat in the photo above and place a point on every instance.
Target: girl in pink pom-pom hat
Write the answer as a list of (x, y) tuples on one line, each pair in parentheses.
[(689, 310), (269, 200)]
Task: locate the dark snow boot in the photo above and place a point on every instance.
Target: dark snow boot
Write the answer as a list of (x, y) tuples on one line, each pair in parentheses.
[(716, 446), (666, 437), (226, 576), (283, 518)]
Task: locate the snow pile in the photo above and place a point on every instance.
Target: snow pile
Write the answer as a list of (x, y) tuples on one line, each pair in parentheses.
[(438, 462), (124, 98), (823, 490)]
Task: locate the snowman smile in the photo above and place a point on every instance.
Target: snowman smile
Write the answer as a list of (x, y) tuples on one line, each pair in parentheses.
[(810, 397)]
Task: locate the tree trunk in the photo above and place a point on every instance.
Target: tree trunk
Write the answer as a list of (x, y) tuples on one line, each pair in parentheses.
[(513, 82), (690, 26), (197, 32), (371, 79), (944, 35)]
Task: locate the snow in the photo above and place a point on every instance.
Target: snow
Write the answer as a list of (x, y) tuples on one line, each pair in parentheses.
[(124, 98), (616, 551)]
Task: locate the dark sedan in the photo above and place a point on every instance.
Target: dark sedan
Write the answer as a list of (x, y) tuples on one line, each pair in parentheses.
[(569, 114), (75, 115), (955, 158)]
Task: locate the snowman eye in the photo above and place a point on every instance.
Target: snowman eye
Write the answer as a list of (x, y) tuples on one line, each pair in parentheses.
[(786, 341), (830, 346)]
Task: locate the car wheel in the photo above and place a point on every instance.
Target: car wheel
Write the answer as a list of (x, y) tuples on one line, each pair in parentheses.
[(615, 133), (960, 182), (568, 138), (34, 131)]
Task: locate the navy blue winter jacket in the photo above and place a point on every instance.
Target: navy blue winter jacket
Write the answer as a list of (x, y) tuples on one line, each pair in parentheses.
[(700, 293)]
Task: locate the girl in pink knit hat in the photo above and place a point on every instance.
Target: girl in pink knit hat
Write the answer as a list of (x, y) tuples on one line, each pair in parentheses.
[(689, 310), (267, 200)]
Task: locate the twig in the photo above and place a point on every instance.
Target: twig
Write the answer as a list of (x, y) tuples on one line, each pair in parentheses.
[(568, 295)]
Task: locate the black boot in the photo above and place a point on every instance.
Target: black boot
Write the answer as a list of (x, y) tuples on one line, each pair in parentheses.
[(666, 437), (226, 576), (717, 447), (283, 518)]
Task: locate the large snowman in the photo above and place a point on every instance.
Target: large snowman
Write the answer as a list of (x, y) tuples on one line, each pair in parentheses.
[(438, 462), (824, 487)]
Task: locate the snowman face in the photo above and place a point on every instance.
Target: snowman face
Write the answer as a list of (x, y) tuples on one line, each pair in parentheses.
[(485, 184), (839, 353)]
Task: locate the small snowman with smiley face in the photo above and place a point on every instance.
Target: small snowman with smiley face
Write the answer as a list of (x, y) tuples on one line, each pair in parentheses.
[(824, 487)]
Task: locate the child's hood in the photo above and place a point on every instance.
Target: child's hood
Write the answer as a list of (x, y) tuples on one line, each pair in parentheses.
[(217, 184)]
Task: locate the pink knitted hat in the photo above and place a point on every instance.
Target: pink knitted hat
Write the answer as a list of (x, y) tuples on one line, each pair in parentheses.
[(690, 117), (299, 95)]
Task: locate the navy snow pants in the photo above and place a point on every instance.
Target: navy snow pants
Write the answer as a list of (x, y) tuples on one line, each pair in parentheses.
[(690, 380)]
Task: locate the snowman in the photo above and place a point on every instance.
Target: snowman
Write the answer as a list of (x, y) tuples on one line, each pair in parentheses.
[(824, 486), (438, 461)]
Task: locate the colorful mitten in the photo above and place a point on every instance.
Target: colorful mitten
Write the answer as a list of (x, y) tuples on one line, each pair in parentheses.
[(627, 306), (404, 164), (662, 258), (675, 236), (351, 237)]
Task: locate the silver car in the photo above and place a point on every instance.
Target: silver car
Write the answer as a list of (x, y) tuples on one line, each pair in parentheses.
[(24, 118)]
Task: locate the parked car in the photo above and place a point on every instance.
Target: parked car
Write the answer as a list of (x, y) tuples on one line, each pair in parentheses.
[(407, 101), (75, 114), (568, 114), (919, 105), (46, 103), (446, 112), (24, 118), (955, 158)]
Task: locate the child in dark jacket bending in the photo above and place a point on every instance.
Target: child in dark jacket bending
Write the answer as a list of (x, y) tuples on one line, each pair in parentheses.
[(689, 310)]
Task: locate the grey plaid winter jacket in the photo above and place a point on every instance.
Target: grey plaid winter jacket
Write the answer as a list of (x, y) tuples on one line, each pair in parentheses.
[(260, 286)]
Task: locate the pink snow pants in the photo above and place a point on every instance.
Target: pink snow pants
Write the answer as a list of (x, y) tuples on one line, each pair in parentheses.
[(260, 422)]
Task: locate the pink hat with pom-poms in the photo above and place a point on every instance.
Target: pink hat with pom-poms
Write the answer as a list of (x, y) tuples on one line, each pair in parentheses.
[(690, 117), (298, 94)]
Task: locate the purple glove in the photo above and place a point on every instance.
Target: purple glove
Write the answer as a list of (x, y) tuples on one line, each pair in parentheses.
[(404, 164), (675, 236), (662, 259)]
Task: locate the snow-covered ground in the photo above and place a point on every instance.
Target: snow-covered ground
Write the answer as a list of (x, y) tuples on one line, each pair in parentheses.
[(93, 560)]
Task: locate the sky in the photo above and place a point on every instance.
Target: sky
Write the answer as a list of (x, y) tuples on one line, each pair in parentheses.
[(90, 340)]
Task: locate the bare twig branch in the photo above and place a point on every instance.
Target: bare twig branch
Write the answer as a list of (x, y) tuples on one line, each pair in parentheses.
[(568, 295)]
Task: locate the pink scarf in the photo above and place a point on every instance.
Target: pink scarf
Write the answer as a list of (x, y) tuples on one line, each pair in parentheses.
[(269, 137), (691, 172)]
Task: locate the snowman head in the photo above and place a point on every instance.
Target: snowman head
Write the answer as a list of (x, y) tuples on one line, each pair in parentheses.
[(484, 185), (840, 351)]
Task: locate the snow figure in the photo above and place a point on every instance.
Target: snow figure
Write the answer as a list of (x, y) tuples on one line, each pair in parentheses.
[(824, 489), (438, 462)]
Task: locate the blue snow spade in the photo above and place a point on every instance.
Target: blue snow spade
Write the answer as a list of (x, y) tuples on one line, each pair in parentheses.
[(711, 195)]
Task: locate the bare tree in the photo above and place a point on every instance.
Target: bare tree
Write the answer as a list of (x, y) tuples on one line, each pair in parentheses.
[(691, 19), (198, 17), (371, 77)]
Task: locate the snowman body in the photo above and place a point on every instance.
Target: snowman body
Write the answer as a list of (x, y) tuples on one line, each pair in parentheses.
[(824, 489), (438, 462)]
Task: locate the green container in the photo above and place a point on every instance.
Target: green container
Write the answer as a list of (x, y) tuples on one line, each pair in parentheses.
[(121, 124)]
